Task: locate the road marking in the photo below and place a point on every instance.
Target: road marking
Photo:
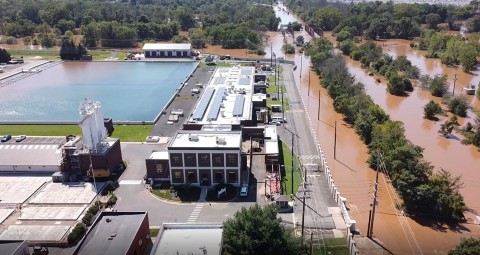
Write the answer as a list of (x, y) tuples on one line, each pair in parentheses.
[(309, 157), (195, 213), (130, 182)]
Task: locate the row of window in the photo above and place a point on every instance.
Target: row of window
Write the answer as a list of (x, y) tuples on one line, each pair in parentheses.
[(204, 159), (191, 176)]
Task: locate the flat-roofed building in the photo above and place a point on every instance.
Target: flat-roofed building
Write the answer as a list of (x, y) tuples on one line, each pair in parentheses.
[(167, 50), (177, 238), (14, 247), (117, 233), (272, 160), (157, 166), (227, 99), (205, 158), (43, 155)]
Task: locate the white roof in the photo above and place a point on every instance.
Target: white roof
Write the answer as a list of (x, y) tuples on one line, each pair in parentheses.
[(206, 139), (271, 132), (271, 146), (18, 154), (189, 239), (159, 155), (167, 46), (236, 84)]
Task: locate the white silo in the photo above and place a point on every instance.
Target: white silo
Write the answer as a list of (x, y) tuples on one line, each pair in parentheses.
[(91, 122)]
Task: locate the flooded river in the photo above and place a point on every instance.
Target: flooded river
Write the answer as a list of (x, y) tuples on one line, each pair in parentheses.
[(351, 173)]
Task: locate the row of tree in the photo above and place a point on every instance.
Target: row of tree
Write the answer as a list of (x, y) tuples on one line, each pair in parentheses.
[(230, 23), (423, 192)]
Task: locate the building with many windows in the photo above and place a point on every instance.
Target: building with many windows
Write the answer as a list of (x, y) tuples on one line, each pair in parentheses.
[(205, 158)]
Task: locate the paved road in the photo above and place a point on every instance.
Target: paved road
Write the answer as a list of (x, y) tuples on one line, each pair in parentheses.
[(317, 195), (133, 196)]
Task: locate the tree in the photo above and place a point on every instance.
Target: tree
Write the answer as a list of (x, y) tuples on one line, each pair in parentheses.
[(327, 18), (467, 246), (468, 57), (198, 38), (396, 85), (458, 105), (257, 230), (295, 26), (300, 40), (438, 85), (431, 109), (432, 20), (4, 56)]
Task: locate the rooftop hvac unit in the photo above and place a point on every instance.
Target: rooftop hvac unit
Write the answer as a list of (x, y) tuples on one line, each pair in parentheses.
[(193, 138), (221, 140)]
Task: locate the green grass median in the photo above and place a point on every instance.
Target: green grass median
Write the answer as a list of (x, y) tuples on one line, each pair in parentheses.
[(130, 133), (287, 178)]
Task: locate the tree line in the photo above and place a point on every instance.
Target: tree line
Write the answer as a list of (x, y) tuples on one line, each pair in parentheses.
[(230, 23), (424, 193)]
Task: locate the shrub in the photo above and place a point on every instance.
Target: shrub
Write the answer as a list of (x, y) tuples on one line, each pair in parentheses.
[(396, 86), (112, 200), (458, 105), (88, 219), (431, 109), (77, 233)]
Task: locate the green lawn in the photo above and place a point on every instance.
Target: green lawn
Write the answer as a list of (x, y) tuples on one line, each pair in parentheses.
[(154, 232), (297, 176), (55, 54), (330, 246), (131, 133), (165, 194)]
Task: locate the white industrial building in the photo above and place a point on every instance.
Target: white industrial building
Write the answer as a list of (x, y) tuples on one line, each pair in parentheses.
[(167, 50), (31, 157), (227, 100)]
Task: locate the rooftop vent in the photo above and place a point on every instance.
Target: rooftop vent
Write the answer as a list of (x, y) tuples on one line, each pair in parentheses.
[(108, 220), (221, 140), (193, 138)]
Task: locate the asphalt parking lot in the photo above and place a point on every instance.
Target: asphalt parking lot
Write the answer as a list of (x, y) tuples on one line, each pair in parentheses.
[(37, 140)]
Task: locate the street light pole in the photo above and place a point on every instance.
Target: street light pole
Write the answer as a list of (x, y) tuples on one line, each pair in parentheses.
[(335, 143), (292, 163)]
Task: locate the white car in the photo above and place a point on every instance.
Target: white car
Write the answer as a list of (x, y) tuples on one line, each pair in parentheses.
[(243, 191), (20, 138)]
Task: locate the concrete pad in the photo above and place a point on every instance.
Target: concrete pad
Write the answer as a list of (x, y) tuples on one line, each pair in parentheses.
[(337, 218), (5, 213), (51, 213), (34, 233), (66, 193), (16, 190)]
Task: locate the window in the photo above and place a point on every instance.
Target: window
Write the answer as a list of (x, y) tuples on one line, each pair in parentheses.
[(232, 160), (191, 176), (177, 176), (203, 159), (190, 159), (176, 159), (218, 159), (232, 176), (159, 169), (218, 176)]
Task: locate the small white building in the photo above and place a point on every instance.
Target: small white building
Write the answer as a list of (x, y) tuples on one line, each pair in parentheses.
[(167, 50)]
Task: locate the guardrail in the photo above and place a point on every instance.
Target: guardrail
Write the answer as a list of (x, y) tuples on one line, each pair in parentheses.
[(332, 187)]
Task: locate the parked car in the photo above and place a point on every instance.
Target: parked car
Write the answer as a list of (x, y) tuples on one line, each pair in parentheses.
[(40, 250), (6, 138), (20, 138), (244, 191)]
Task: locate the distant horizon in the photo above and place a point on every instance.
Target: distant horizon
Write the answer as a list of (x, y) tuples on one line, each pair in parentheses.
[(445, 2)]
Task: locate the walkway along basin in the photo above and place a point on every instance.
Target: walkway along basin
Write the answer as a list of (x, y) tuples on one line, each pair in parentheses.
[(133, 91)]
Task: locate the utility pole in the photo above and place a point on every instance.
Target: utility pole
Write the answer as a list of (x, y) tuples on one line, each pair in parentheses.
[(454, 81), (271, 53), (379, 164), (318, 112), (309, 85), (292, 159), (304, 195), (335, 142), (301, 65), (311, 243)]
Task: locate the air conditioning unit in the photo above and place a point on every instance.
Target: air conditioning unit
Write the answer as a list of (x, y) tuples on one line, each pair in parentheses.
[(193, 138), (221, 140)]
